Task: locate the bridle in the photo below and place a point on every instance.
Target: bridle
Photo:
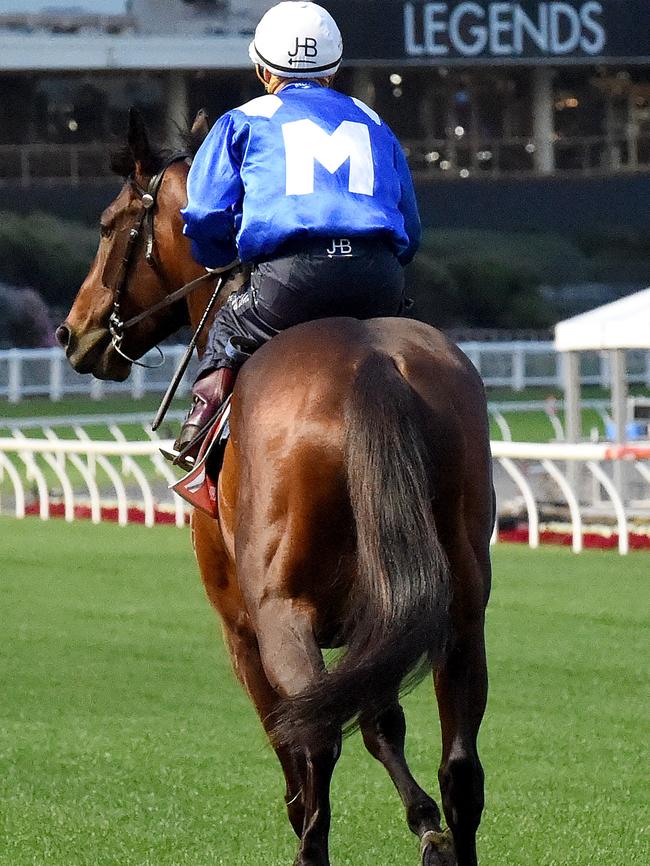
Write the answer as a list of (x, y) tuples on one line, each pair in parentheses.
[(145, 224)]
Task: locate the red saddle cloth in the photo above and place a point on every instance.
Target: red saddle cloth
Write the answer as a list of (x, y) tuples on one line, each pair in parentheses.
[(199, 486)]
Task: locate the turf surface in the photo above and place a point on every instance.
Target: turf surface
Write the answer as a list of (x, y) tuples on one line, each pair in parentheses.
[(125, 740), (80, 404)]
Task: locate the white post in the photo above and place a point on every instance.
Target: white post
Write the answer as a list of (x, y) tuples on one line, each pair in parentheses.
[(559, 369), (14, 386), (619, 413), (572, 415), (603, 369), (56, 376), (543, 119), (518, 368), (137, 382), (619, 393), (474, 354), (572, 420), (96, 389)]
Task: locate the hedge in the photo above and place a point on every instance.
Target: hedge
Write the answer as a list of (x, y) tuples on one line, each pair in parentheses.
[(24, 319), (460, 278), (49, 254)]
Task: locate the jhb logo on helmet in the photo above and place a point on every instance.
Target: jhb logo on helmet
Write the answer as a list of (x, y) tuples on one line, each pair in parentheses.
[(309, 48)]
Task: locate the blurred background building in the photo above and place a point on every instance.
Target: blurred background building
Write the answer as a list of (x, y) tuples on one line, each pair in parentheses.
[(520, 93), (526, 124)]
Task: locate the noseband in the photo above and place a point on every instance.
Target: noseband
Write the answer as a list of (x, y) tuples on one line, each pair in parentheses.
[(116, 326)]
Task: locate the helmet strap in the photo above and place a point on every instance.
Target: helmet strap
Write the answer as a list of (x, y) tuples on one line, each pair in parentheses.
[(259, 71)]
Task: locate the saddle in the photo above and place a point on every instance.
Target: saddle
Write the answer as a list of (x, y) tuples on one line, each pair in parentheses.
[(199, 485)]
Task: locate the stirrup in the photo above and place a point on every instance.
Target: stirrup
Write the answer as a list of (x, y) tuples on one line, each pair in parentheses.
[(181, 458), (199, 485)]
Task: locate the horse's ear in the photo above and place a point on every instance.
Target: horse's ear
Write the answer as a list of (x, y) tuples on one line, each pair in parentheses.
[(200, 127), (139, 146)]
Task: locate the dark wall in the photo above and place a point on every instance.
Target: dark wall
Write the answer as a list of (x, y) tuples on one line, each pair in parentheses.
[(83, 203), (548, 204)]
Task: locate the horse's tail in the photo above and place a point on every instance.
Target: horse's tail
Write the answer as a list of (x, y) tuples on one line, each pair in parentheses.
[(397, 625)]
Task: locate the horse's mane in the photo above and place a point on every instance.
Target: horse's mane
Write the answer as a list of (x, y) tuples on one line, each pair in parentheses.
[(192, 138), (122, 161)]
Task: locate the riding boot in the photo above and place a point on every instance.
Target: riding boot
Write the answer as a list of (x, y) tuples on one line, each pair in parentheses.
[(209, 393)]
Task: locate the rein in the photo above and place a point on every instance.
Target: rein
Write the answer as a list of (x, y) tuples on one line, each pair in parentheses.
[(145, 222)]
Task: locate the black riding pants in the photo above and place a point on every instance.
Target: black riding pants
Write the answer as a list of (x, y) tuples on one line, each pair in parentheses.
[(359, 277)]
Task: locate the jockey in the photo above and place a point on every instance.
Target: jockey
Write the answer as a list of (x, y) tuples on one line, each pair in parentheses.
[(310, 188)]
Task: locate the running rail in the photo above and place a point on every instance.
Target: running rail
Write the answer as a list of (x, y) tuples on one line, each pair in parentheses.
[(592, 455), (66, 464), (62, 460)]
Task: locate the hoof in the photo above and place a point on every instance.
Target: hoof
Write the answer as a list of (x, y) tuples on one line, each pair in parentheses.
[(437, 849)]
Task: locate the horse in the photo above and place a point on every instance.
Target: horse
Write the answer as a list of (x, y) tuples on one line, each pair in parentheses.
[(355, 506)]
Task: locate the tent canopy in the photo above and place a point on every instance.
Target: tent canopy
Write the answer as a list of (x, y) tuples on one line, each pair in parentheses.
[(623, 324)]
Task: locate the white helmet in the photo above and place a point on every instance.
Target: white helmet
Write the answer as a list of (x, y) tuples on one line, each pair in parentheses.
[(297, 39)]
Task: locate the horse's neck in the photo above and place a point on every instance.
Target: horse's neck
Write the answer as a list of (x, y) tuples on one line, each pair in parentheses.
[(199, 299), (196, 304)]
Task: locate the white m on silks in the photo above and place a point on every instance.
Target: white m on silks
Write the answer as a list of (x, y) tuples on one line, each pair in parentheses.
[(305, 143)]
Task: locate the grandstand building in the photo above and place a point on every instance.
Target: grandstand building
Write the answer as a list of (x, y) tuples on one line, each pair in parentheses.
[(513, 92)]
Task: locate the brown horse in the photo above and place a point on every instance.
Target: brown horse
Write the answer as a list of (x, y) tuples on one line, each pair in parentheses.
[(355, 509)]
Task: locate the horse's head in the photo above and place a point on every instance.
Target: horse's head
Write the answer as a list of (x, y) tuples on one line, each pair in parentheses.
[(142, 257)]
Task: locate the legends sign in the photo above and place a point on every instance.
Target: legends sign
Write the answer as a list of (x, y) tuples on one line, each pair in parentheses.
[(470, 31), (503, 29)]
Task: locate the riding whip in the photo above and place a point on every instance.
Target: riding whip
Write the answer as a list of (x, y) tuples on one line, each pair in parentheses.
[(187, 357)]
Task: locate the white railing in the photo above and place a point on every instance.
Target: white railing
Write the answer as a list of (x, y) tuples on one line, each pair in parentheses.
[(92, 475), (515, 365), (530, 466), (47, 373), (521, 364), (120, 475)]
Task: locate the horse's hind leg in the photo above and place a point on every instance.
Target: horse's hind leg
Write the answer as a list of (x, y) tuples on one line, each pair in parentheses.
[(292, 661), (223, 591), (244, 651), (384, 737), (461, 685)]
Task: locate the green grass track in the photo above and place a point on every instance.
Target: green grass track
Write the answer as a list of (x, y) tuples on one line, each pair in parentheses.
[(125, 741)]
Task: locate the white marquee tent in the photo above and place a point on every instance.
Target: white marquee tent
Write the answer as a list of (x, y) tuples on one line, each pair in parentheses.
[(623, 324), (615, 327)]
